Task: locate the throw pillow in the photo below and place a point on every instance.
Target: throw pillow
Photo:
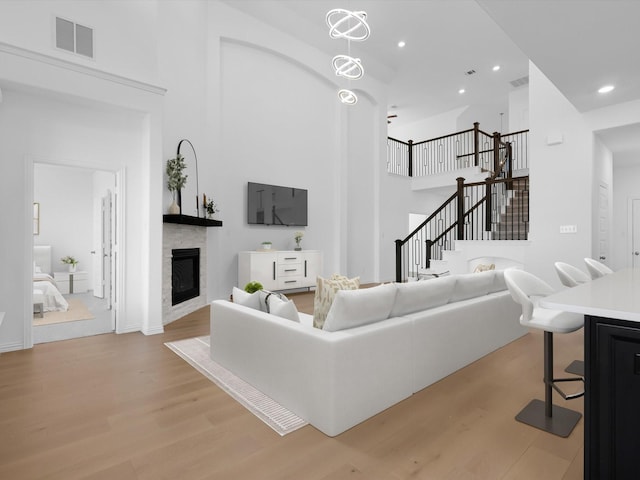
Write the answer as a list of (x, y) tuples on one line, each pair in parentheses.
[(353, 308), (326, 289), (481, 267), (251, 300), (283, 308)]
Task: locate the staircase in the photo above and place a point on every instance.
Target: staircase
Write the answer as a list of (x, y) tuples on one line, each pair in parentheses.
[(513, 219), (496, 209)]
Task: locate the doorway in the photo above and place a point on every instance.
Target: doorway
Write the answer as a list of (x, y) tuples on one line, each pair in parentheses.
[(76, 206)]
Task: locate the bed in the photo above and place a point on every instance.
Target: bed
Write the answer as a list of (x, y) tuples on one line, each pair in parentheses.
[(45, 290)]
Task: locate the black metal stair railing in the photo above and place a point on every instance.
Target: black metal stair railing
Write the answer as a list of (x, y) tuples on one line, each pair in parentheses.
[(447, 153), (496, 209)]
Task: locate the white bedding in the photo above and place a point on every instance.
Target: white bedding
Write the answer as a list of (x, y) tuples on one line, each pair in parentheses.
[(52, 298)]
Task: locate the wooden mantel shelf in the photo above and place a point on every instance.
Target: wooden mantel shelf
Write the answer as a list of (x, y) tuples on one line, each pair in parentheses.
[(189, 220)]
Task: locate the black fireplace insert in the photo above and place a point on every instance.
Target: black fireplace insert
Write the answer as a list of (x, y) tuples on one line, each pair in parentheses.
[(185, 274)]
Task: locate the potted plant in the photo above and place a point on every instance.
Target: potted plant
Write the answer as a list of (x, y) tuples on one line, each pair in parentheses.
[(70, 261), (176, 180), (211, 208), (266, 245), (298, 238), (252, 287)]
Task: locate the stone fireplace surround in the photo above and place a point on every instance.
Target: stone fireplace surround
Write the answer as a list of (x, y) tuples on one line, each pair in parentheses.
[(176, 236)]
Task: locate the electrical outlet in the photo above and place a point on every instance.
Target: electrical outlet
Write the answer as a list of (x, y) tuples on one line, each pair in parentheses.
[(568, 229)]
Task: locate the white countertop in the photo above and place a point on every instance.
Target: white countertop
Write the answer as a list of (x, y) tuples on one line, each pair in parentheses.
[(616, 295)]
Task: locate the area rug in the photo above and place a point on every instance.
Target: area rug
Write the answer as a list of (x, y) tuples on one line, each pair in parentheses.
[(77, 311), (196, 352)]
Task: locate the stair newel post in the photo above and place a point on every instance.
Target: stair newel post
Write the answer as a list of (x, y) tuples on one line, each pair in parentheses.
[(488, 215), (427, 255), (496, 154), (460, 209), (509, 166), (398, 261), (476, 143), (410, 165)]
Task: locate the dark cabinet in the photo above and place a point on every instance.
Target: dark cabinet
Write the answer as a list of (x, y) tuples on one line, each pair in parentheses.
[(612, 400)]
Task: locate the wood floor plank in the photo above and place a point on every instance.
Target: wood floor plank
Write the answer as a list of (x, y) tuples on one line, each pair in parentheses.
[(127, 407)]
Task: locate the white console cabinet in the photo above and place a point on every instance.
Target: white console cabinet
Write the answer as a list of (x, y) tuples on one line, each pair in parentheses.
[(279, 270)]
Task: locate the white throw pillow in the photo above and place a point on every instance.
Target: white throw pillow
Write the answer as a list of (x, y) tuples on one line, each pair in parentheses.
[(283, 308), (417, 296), (251, 300), (471, 285), (353, 308)]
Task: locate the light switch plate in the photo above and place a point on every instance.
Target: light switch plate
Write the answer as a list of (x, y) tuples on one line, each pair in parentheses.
[(568, 229)]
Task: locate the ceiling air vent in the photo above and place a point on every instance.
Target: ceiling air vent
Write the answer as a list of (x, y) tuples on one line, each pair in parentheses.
[(73, 37), (518, 82)]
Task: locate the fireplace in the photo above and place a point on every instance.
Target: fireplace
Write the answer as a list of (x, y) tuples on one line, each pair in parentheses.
[(185, 274)]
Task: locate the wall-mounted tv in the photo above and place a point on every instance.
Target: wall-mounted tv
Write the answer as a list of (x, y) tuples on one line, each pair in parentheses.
[(276, 205)]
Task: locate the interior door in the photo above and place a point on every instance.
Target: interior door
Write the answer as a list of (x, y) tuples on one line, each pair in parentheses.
[(635, 232), (603, 223)]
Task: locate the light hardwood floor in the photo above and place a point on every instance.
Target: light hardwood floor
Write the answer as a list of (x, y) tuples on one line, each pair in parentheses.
[(126, 407)]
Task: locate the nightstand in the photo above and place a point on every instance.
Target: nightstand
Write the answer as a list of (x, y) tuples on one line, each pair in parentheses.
[(72, 282)]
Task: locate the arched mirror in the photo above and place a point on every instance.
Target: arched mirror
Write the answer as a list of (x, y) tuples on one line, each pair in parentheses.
[(190, 195)]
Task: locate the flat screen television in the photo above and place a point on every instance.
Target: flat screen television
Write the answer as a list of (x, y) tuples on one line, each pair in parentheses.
[(276, 205)]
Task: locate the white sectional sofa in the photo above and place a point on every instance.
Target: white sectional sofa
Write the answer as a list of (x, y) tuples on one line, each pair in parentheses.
[(337, 379)]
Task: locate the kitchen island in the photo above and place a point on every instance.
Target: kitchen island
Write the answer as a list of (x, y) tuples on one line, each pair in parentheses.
[(611, 306)]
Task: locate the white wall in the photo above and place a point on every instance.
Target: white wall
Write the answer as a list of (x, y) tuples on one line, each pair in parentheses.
[(518, 109), (275, 118), (428, 128), (561, 179), (124, 32)]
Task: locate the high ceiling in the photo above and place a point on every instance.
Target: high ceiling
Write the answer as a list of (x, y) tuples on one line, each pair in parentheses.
[(580, 45)]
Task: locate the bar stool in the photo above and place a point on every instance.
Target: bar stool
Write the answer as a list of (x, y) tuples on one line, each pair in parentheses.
[(571, 276), (545, 415), (597, 269)]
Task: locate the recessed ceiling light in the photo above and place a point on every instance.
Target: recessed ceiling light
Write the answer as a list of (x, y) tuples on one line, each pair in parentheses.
[(496, 68), (606, 89), (401, 43), (461, 91)]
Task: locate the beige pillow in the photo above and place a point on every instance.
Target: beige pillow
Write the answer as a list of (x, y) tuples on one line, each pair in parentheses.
[(326, 289)]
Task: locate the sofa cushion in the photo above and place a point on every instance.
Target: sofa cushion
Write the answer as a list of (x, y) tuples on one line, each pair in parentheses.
[(470, 285), (283, 308), (326, 289), (353, 308), (416, 296)]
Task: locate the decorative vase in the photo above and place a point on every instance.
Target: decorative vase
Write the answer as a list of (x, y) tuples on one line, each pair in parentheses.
[(174, 208), (72, 267)]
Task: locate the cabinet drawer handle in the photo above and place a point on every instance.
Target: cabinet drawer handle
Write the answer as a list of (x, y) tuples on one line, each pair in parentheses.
[(291, 281), (290, 269), (274, 270), (290, 258), (305, 268)]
